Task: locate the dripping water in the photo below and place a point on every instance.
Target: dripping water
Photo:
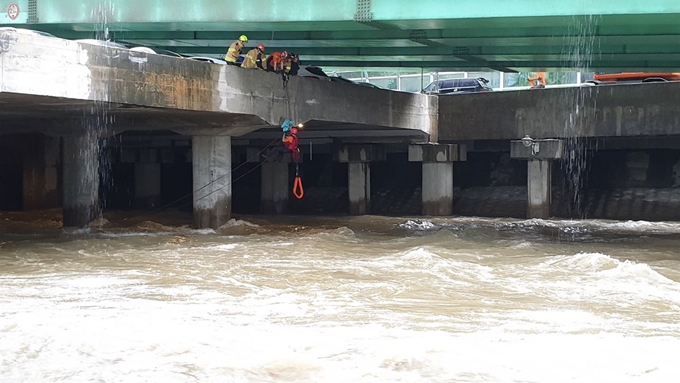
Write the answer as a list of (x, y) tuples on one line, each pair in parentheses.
[(581, 45)]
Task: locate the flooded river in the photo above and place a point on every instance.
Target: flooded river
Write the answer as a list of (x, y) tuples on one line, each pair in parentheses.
[(339, 299)]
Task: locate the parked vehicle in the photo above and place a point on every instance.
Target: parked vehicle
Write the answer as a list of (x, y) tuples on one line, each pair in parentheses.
[(634, 77), (208, 59), (313, 72), (102, 43), (341, 79), (156, 51), (458, 85), (369, 85)]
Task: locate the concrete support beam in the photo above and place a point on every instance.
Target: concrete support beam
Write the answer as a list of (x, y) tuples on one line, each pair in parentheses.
[(540, 153), (359, 185), (538, 185), (358, 158), (212, 180), (81, 180), (437, 180), (437, 188), (147, 180), (275, 188), (40, 183), (360, 153)]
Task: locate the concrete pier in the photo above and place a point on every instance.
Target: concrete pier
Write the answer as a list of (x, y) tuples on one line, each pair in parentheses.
[(538, 186), (437, 178), (438, 188), (40, 178), (540, 154), (147, 180), (81, 180), (275, 188), (212, 180), (358, 158), (359, 185)]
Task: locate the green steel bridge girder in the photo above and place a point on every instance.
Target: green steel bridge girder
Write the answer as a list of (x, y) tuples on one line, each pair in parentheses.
[(511, 35)]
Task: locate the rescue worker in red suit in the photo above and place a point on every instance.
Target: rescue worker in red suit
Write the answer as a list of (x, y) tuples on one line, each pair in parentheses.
[(290, 144)]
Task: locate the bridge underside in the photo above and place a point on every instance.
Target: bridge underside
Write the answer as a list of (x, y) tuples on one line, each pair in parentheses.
[(436, 35)]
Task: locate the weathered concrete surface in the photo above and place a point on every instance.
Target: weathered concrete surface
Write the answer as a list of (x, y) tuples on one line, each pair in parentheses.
[(46, 78), (437, 188), (81, 180), (538, 187), (212, 180), (595, 111), (275, 188), (536, 149), (41, 174), (359, 187)]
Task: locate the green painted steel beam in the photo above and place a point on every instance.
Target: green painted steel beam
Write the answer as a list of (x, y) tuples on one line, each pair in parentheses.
[(259, 11), (472, 33)]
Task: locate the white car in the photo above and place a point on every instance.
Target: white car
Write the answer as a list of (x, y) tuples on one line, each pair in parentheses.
[(208, 59), (102, 43), (156, 51)]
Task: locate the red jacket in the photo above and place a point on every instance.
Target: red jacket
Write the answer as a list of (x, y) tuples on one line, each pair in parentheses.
[(291, 142)]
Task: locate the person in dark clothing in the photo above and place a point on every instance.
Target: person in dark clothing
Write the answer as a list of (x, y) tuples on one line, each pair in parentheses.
[(290, 144), (293, 64)]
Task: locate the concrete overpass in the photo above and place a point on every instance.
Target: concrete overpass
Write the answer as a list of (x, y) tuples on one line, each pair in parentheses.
[(83, 92), (470, 35)]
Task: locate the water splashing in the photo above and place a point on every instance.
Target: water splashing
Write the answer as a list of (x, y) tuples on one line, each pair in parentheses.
[(582, 43), (97, 118)]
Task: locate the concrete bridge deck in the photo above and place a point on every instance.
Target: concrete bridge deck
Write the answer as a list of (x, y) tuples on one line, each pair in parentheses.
[(47, 84), (69, 89), (51, 84)]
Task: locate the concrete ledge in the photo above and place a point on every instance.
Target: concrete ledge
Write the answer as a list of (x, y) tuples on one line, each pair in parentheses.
[(437, 153), (360, 153), (538, 149)]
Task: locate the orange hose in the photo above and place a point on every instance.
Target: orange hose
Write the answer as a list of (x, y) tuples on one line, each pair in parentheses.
[(298, 190)]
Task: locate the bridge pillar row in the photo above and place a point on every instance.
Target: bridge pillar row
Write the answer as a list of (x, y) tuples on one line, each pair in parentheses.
[(539, 153), (211, 163), (437, 179), (80, 180), (275, 192), (358, 159)]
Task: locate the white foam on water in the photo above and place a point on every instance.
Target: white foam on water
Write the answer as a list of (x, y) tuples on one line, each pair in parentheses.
[(333, 306)]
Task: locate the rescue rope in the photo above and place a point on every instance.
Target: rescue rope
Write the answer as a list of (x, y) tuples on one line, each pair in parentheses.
[(298, 190)]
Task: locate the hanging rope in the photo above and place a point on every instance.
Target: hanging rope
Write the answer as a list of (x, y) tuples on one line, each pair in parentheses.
[(298, 190)]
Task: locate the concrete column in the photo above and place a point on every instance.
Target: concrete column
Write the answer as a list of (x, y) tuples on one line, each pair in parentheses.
[(212, 180), (40, 182), (358, 158), (147, 180), (81, 180), (538, 186), (437, 188), (437, 181), (540, 153), (275, 188), (359, 185)]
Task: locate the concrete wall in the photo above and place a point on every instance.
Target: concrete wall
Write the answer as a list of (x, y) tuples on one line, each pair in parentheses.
[(589, 111), (232, 100)]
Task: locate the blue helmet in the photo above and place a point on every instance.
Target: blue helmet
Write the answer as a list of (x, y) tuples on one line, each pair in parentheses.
[(287, 125)]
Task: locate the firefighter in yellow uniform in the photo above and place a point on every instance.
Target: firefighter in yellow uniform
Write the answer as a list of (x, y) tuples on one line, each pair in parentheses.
[(235, 49), (255, 58)]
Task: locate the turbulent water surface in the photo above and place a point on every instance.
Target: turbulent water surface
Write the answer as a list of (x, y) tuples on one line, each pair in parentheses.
[(365, 299)]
